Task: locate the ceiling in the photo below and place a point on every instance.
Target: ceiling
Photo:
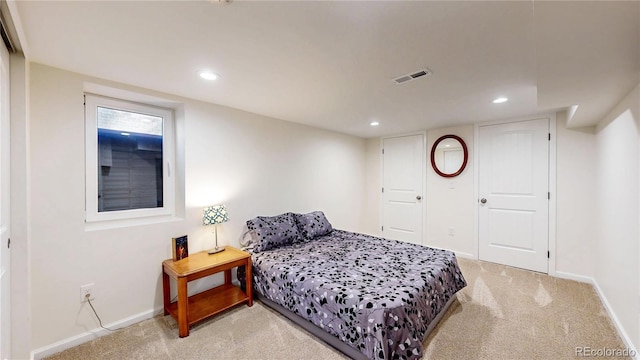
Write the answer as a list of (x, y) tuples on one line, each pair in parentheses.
[(330, 64)]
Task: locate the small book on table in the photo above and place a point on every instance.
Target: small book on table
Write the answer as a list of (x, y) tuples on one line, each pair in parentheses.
[(180, 247)]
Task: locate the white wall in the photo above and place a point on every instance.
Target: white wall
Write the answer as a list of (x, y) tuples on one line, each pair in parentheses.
[(617, 261), (255, 165), (451, 207), (373, 188), (444, 207), (575, 199), (20, 211), (576, 211)]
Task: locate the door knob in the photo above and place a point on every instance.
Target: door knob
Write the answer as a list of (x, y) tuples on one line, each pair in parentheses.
[(483, 200), (419, 197)]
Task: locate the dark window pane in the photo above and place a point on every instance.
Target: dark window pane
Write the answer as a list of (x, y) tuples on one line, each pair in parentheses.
[(130, 170)]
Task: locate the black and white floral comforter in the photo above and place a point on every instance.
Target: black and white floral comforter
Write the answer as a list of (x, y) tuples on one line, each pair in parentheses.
[(377, 295)]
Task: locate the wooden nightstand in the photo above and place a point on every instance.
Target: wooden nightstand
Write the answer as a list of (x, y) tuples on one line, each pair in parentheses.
[(190, 309)]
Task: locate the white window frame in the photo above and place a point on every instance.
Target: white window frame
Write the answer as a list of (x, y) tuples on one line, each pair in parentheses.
[(92, 102)]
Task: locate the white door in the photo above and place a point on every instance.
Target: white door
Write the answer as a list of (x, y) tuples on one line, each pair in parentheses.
[(514, 194), (5, 308), (402, 186)]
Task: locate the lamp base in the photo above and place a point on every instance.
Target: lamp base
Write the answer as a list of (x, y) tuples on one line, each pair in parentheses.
[(216, 250)]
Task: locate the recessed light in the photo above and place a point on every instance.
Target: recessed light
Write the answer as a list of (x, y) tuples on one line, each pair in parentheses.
[(500, 100), (374, 123), (208, 75)]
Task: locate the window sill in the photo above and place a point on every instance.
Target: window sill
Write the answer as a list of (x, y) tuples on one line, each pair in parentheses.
[(123, 223)]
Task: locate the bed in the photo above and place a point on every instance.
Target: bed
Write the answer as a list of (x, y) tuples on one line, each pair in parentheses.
[(379, 298)]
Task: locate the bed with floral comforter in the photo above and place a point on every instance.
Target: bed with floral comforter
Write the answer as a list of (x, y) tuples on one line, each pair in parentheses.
[(377, 295)]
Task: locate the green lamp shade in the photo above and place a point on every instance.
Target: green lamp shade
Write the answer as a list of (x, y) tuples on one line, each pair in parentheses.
[(216, 214)]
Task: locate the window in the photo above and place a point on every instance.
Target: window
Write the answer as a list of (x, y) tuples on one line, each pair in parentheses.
[(129, 152)]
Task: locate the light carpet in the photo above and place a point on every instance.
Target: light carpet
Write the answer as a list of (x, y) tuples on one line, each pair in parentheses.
[(503, 313)]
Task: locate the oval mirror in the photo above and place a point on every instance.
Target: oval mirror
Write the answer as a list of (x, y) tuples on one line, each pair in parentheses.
[(449, 156)]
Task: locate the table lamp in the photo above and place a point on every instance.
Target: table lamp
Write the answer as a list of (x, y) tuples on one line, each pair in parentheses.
[(214, 215)]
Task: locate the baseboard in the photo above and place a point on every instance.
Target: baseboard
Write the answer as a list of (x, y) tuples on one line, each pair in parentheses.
[(572, 276), (465, 255), (458, 253), (91, 335), (612, 315)]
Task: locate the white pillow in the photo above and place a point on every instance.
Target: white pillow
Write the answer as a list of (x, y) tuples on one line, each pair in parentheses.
[(247, 238)]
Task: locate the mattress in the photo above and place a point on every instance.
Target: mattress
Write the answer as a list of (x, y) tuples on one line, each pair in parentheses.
[(379, 296)]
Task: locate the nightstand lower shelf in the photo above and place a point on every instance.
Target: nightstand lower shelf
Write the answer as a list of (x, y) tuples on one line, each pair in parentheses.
[(210, 302)]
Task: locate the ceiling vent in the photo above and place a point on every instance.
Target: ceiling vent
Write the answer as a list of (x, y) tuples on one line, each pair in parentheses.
[(412, 76)]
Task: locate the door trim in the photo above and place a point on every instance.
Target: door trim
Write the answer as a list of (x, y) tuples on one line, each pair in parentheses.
[(424, 179), (6, 307), (552, 183)]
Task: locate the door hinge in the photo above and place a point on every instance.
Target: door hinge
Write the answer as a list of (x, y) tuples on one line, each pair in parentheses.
[(8, 243), (548, 254), (549, 136), (382, 227), (84, 100), (382, 151), (383, 190), (549, 196)]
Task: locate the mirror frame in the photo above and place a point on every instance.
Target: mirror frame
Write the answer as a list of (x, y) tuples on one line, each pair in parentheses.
[(464, 160)]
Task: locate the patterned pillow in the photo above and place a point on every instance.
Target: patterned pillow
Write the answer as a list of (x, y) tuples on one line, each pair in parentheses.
[(313, 224), (273, 232)]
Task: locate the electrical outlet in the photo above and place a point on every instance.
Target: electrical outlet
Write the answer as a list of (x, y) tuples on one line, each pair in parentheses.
[(87, 290), (452, 231)]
